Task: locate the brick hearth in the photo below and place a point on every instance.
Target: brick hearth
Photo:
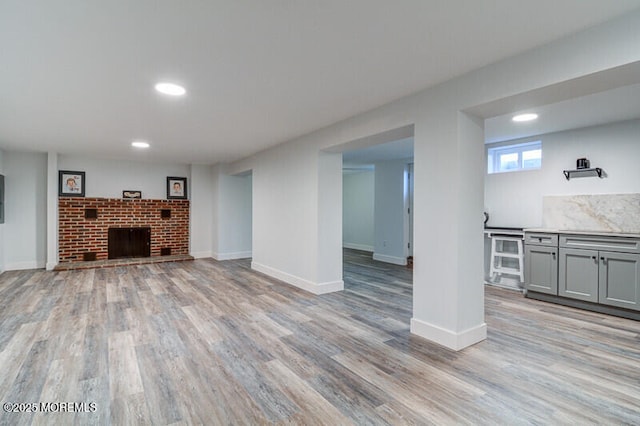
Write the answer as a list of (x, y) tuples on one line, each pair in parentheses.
[(80, 233)]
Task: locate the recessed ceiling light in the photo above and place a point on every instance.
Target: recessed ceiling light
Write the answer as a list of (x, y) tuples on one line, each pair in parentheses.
[(525, 117), (170, 89), (140, 144)]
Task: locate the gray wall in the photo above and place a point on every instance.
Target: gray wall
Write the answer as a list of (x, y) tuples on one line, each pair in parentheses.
[(2, 268), (234, 212), (25, 244), (390, 212), (357, 210)]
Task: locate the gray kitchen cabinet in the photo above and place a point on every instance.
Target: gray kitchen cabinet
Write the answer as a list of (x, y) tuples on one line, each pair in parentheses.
[(541, 268), (578, 274), (600, 272), (619, 279)]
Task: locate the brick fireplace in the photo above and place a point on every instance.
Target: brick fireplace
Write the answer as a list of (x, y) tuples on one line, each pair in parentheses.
[(83, 225)]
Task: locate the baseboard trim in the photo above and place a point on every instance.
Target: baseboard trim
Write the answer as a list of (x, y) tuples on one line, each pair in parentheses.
[(390, 259), (361, 247), (18, 266), (50, 266), (201, 254), (232, 256), (448, 338), (311, 287)]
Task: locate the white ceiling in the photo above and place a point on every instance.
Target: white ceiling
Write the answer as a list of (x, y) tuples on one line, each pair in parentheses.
[(77, 76), (604, 107), (396, 150)]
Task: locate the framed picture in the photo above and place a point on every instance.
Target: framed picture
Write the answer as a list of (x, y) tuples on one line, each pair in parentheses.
[(71, 184), (129, 193), (176, 188)]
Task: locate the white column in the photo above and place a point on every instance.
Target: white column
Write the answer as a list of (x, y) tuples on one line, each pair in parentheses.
[(52, 210), (201, 216), (329, 266), (448, 289)]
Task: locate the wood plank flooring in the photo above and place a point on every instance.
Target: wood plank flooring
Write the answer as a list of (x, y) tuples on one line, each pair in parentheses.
[(209, 342)]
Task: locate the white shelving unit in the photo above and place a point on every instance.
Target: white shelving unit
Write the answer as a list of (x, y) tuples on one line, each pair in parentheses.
[(497, 254), (500, 240)]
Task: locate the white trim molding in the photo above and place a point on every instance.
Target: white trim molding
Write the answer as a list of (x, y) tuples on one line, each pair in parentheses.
[(390, 259), (201, 254), (358, 247), (18, 266), (311, 287), (448, 338), (232, 256)]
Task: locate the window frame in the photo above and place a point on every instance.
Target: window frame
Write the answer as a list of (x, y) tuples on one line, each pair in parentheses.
[(496, 151)]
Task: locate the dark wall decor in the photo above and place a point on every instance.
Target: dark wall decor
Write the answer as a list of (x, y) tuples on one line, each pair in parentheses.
[(71, 184), (176, 188)]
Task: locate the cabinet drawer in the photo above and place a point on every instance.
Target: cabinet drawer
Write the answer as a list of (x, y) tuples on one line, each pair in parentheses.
[(541, 239), (592, 242)]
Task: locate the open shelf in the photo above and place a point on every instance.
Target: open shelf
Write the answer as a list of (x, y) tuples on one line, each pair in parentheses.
[(596, 171)]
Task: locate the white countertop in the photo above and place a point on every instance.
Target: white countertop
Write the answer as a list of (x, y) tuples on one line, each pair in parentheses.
[(575, 232)]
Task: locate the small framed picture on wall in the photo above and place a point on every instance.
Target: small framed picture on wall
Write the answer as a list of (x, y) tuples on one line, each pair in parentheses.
[(71, 184), (176, 188), (131, 194)]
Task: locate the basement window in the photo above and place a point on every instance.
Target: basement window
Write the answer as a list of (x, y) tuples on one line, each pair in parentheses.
[(511, 158)]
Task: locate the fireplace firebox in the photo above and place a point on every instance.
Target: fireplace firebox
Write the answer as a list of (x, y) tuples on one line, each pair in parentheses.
[(129, 242)]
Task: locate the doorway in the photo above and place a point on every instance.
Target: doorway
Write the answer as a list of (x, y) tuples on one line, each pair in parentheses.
[(377, 197), (235, 215), (377, 223)]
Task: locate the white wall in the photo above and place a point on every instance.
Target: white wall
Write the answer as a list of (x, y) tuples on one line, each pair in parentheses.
[(289, 183), (390, 215), (515, 199), (357, 210), (329, 222), (2, 268), (284, 214), (52, 210), (202, 211), (234, 215), (108, 178), (25, 226)]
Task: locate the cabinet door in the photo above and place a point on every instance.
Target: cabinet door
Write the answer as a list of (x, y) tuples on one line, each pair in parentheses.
[(541, 269), (578, 274), (620, 279)]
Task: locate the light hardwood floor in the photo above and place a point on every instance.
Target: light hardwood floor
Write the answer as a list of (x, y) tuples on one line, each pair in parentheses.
[(208, 342)]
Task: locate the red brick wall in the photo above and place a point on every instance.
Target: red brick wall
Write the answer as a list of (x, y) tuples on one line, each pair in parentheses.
[(77, 235)]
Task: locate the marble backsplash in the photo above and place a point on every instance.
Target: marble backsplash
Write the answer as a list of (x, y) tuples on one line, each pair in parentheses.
[(601, 212)]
